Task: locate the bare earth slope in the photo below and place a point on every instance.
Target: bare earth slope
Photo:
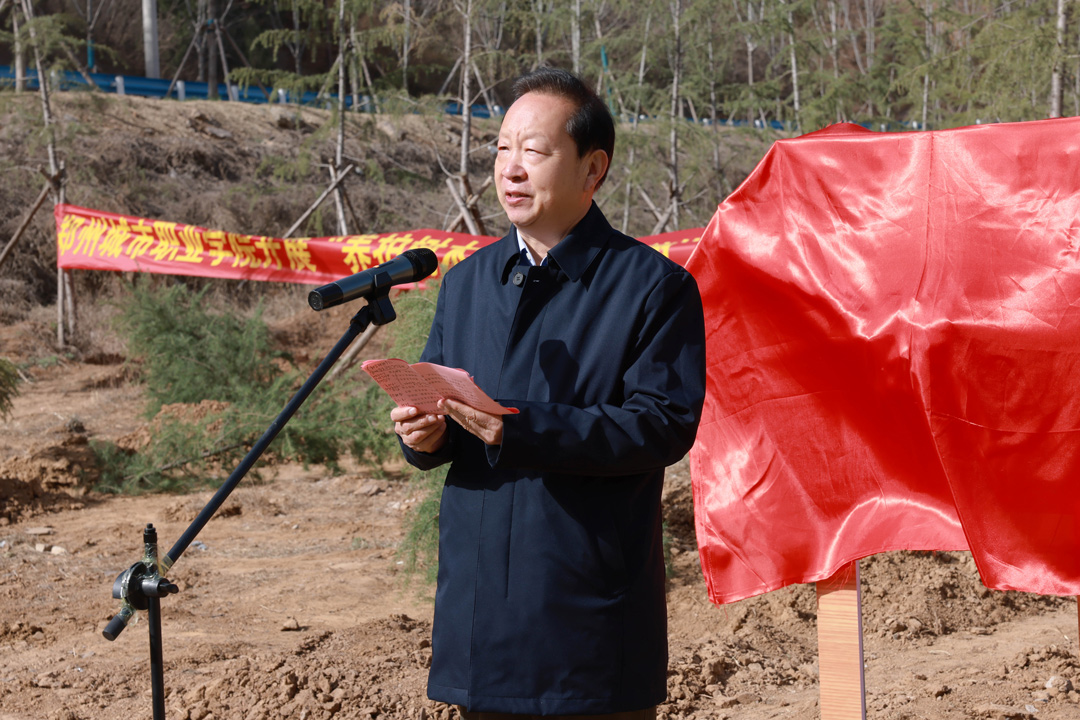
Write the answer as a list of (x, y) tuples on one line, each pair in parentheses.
[(292, 604)]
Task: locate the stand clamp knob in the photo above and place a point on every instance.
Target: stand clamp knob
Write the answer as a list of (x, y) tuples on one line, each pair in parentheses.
[(136, 585)]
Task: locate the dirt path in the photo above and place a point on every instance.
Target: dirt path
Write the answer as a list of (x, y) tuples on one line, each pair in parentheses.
[(292, 603)]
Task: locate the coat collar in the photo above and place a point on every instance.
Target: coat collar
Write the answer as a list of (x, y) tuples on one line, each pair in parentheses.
[(574, 253)]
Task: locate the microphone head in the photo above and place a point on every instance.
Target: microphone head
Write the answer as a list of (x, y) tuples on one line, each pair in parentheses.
[(325, 296), (424, 261)]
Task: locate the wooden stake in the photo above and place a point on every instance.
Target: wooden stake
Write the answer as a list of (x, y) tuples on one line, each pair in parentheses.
[(840, 653), (61, 340), (67, 277), (339, 205), (318, 201), (25, 223), (470, 221), (471, 203), (349, 357)]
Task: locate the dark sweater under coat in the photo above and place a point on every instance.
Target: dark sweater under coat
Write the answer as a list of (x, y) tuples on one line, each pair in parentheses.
[(550, 594)]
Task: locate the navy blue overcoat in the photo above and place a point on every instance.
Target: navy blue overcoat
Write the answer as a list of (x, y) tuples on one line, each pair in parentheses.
[(550, 594)]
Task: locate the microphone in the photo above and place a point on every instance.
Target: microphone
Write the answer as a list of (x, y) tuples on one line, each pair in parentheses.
[(411, 266)]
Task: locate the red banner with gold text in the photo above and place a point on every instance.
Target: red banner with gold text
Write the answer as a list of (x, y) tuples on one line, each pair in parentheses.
[(92, 240)]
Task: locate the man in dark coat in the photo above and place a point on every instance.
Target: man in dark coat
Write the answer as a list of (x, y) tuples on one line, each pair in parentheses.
[(550, 596)]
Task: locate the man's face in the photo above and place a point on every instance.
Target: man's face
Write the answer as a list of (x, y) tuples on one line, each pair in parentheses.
[(544, 187)]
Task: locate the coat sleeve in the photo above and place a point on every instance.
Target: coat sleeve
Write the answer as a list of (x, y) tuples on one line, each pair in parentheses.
[(655, 423), (433, 354)]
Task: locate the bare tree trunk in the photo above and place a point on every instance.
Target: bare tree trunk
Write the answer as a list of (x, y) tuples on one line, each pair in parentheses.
[(674, 192), (834, 52), (354, 66), (43, 87), (466, 92), (928, 36), (224, 62), (91, 19), (151, 54), (20, 55), (200, 43), (211, 57), (575, 37), (751, 45), (64, 277), (870, 22), (539, 10), (794, 66), (365, 72), (484, 89), (405, 47), (714, 112), (634, 123), (298, 43), (343, 59), (750, 76), (1057, 90), (63, 286), (605, 70), (854, 43)]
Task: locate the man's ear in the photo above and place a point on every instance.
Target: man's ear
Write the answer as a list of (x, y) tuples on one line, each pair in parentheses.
[(598, 161)]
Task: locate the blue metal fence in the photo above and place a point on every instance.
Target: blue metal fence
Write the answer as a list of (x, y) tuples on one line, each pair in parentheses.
[(188, 90), (185, 90)]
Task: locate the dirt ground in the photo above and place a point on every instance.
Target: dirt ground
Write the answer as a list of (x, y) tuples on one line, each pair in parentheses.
[(293, 603)]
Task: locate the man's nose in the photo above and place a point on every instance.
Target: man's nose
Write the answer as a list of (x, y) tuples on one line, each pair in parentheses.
[(513, 169)]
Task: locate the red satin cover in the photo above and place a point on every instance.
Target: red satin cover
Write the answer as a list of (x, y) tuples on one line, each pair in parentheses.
[(894, 358)]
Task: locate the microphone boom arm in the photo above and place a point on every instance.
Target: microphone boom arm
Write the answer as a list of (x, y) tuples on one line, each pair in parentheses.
[(141, 586)]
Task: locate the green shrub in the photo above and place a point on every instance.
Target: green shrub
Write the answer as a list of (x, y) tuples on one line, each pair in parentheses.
[(190, 355), (419, 551), (9, 382)]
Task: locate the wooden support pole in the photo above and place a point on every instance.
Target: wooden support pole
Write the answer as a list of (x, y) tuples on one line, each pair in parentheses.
[(243, 59), (349, 357), (26, 222), (224, 63), (61, 286), (470, 204), (840, 653), (180, 67), (318, 201), (470, 220), (339, 204)]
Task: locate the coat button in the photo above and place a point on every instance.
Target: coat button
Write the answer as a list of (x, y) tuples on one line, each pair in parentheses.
[(519, 278)]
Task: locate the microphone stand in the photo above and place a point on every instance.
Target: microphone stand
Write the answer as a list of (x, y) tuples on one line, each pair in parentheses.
[(142, 585)]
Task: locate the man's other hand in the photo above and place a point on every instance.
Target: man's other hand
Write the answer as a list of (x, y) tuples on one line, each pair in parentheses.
[(419, 431), (485, 426)]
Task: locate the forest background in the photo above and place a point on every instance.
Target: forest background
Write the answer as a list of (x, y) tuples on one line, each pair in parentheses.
[(802, 63)]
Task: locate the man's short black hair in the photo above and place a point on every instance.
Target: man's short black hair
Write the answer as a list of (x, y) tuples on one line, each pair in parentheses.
[(591, 125)]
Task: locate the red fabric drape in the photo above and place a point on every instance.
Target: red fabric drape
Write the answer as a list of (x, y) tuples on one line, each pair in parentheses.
[(894, 358)]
